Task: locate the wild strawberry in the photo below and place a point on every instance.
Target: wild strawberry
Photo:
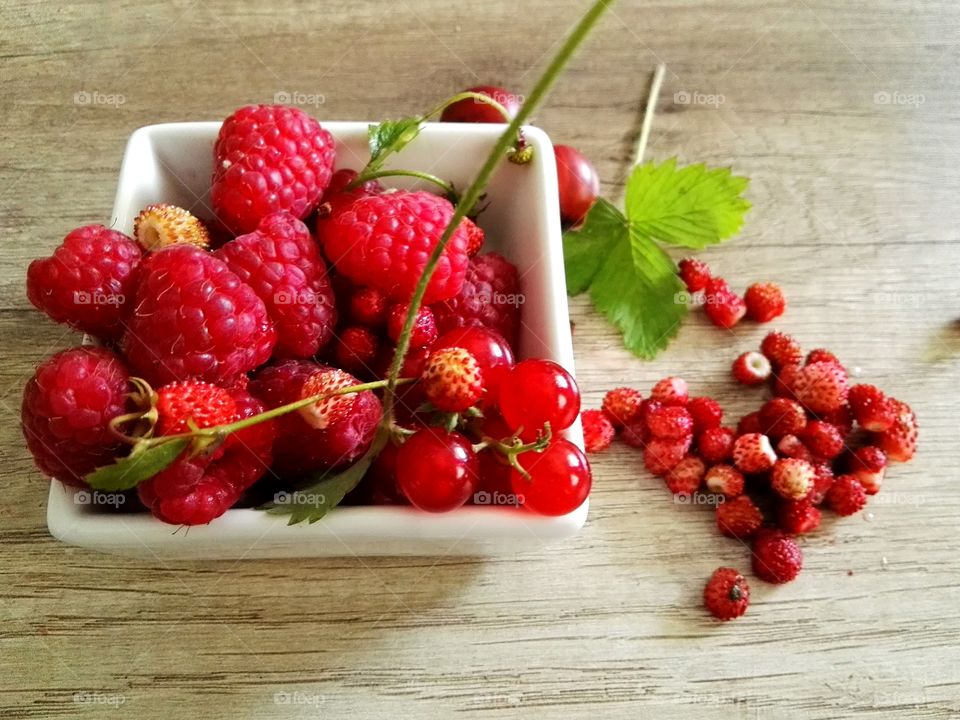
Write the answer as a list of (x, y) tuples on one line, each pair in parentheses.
[(871, 408), (622, 405), (328, 410), (660, 456), (783, 380), (706, 413), (670, 391), (868, 465), (900, 441), (160, 225), (192, 402), (635, 434), (841, 418), (424, 332), (724, 480), (694, 273), (670, 422), (822, 355), (764, 302), (790, 446), (750, 423), (716, 444), (782, 416), (475, 239), (798, 517), (792, 479), (781, 350), (751, 368), (648, 406), (822, 439), (452, 379), (753, 453), (727, 594), (598, 431), (724, 308), (821, 386), (776, 557), (739, 517), (685, 477), (846, 496), (822, 483)]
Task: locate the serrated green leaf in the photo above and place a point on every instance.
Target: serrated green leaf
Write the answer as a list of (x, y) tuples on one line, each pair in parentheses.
[(388, 137), (693, 206), (141, 465), (585, 247)]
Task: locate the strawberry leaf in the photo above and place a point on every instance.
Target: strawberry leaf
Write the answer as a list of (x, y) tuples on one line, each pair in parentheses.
[(388, 137), (138, 466), (584, 249)]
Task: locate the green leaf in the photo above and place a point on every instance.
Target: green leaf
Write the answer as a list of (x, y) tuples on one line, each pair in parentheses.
[(388, 137), (694, 206), (584, 249), (140, 465)]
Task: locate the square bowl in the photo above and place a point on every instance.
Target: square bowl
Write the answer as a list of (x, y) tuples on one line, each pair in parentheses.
[(172, 163)]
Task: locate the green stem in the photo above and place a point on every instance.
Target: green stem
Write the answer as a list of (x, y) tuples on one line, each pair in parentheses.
[(447, 187)]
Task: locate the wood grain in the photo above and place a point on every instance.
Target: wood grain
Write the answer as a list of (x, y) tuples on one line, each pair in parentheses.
[(854, 214)]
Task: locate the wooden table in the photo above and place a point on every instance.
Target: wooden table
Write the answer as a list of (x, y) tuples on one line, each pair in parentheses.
[(846, 119)]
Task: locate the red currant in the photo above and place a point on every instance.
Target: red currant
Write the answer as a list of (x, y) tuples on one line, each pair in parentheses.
[(578, 183), (476, 111), (559, 479), (489, 349), (381, 478), (535, 392), (437, 470)]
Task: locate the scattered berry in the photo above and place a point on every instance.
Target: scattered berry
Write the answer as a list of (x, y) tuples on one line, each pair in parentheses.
[(821, 387), (160, 225), (752, 453), (776, 557), (841, 418), (716, 444), (790, 446), (559, 479), (822, 483), (578, 183), (694, 273), (706, 413), (781, 350), (846, 496), (622, 405), (436, 470), (661, 456), (871, 408), (798, 518), (822, 439), (792, 479), (900, 441), (598, 431), (536, 392), (750, 423), (782, 416), (724, 307), (727, 594), (670, 391), (685, 477), (452, 379), (764, 302), (783, 380), (751, 368), (739, 517), (635, 434), (822, 355), (868, 465), (725, 480), (670, 422), (424, 332)]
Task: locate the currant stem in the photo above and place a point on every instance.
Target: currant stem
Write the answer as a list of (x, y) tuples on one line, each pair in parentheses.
[(447, 187), (655, 85)]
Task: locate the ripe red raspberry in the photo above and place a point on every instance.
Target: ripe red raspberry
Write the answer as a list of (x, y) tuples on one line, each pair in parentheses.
[(868, 465), (356, 350), (727, 594), (791, 446), (822, 355), (792, 479), (782, 416), (764, 302), (194, 318), (452, 379), (670, 422), (749, 423), (622, 405), (300, 448), (187, 402), (598, 431), (706, 413), (752, 453), (383, 241), (776, 557), (821, 387), (67, 407), (670, 391), (798, 518), (368, 306), (660, 456), (871, 408), (822, 439), (899, 442), (685, 477), (635, 434), (822, 483), (490, 297), (738, 517), (781, 350), (725, 480), (694, 273), (269, 158), (282, 264), (783, 379), (724, 307), (716, 444), (751, 368), (424, 332), (89, 281), (846, 496)]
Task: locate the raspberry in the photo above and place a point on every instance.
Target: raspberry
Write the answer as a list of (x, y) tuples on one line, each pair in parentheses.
[(791, 446), (670, 422), (282, 264), (725, 480), (750, 423), (694, 273), (356, 349), (751, 368), (452, 379), (489, 297), (685, 477), (383, 241), (900, 441), (635, 434), (269, 158), (871, 408), (821, 483), (67, 407), (424, 332), (868, 465), (598, 431), (783, 379), (821, 387), (792, 479), (821, 355), (727, 594), (776, 557), (670, 391), (798, 518), (194, 318), (89, 281), (752, 453), (846, 496), (764, 302), (368, 306), (192, 401), (661, 456), (716, 444), (822, 439), (738, 517), (724, 307), (622, 406), (782, 416), (337, 196), (781, 350), (300, 448), (160, 225), (706, 413)]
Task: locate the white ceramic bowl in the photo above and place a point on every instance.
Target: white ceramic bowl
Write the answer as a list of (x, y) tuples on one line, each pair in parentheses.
[(172, 163)]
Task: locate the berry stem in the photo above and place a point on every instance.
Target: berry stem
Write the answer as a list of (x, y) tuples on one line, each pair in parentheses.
[(514, 448), (648, 114), (447, 187)]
